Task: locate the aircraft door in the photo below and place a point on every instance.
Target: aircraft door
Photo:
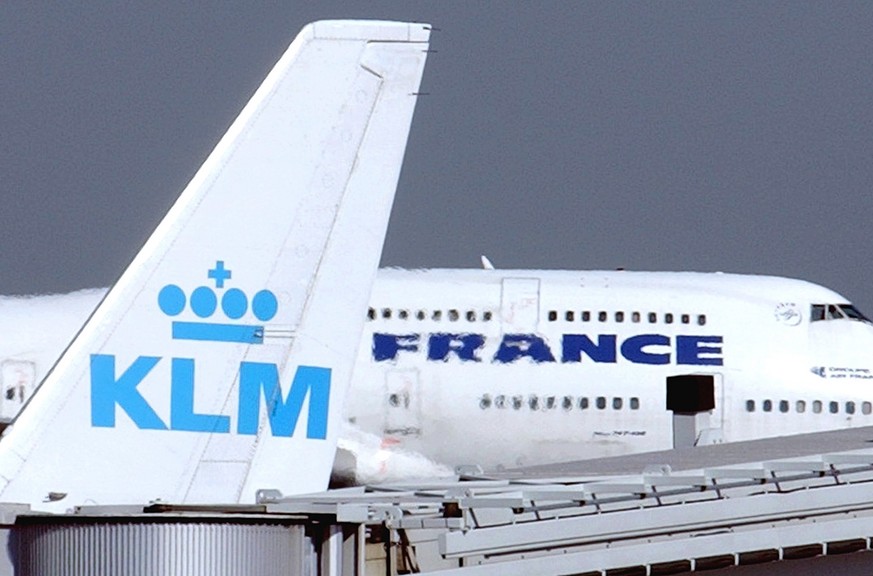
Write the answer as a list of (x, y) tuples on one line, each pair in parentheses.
[(17, 382), (520, 304), (714, 432), (716, 416), (402, 403)]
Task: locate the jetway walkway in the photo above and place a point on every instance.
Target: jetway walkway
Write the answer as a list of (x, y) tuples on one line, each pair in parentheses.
[(654, 523), (657, 522)]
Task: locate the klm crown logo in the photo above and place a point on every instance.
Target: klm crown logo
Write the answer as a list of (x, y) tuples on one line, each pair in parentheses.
[(204, 300), (257, 383)]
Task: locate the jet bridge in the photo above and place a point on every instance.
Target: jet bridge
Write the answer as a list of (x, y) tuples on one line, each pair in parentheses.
[(654, 523), (778, 515)]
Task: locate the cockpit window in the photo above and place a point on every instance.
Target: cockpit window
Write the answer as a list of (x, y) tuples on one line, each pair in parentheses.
[(836, 312), (853, 313)]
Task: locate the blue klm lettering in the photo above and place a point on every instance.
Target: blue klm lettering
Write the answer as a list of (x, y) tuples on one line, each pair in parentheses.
[(255, 376), (106, 392), (109, 392)]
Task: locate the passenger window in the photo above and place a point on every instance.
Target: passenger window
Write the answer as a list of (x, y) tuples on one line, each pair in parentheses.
[(834, 407), (619, 316), (403, 314), (686, 319), (601, 403), (567, 403), (420, 314), (487, 316), (371, 314), (552, 315), (601, 316), (437, 315), (534, 402), (783, 406), (583, 403), (485, 402), (668, 318), (866, 408), (616, 403), (500, 401), (800, 406), (569, 315), (767, 406), (701, 319), (586, 316), (635, 317), (850, 407), (453, 315), (386, 313), (471, 316), (550, 402), (653, 317), (816, 406), (750, 405), (635, 403), (517, 401)]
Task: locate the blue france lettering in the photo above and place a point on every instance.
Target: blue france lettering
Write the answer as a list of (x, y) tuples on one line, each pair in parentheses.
[(652, 349), (109, 392), (691, 350), (634, 349), (575, 344), (440, 346), (386, 346), (515, 346)]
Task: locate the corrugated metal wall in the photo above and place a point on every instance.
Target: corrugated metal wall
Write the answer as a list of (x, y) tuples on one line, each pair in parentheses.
[(158, 548)]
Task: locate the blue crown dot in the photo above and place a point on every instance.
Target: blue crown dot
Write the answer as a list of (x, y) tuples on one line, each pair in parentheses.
[(264, 305), (171, 300), (234, 303), (203, 301)]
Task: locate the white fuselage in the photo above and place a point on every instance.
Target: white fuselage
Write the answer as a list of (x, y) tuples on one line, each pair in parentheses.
[(517, 367)]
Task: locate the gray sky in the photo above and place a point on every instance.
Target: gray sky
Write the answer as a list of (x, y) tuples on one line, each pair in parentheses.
[(653, 136)]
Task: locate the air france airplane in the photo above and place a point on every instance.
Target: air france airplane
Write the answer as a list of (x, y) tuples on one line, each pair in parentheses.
[(520, 367), (218, 364), (516, 367)]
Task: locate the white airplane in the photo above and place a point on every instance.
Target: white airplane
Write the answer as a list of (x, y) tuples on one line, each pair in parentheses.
[(520, 367), (218, 364), (506, 368)]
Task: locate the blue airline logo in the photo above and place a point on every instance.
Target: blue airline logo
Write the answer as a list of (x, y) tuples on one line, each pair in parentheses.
[(691, 350), (111, 390), (172, 301)]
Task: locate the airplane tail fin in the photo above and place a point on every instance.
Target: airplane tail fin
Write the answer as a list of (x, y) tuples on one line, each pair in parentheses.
[(218, 363)]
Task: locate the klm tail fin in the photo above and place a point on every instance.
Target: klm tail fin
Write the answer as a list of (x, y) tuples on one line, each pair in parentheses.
[(218, 363)]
